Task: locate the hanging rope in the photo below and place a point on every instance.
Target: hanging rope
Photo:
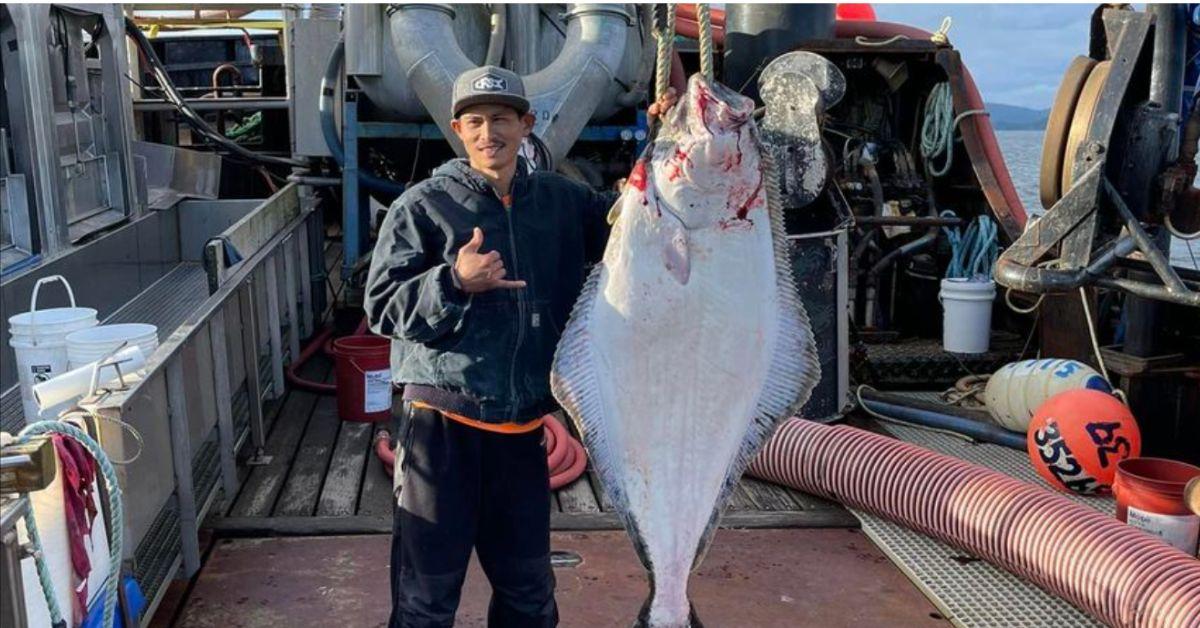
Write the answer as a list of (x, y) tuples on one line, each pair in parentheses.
[(664, 32), (706, 42), (116, 510), (1091, 325), (937, 129)]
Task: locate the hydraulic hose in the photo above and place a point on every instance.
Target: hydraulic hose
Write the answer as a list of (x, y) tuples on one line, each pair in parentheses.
[(565, 456), (910, 411), (333, 72), (1120, 575)]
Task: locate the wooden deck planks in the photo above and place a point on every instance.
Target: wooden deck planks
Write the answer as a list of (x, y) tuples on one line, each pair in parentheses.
[(376, 496), (326, 469), (303, 486), (264, 483), (577, 497), (339, 496)]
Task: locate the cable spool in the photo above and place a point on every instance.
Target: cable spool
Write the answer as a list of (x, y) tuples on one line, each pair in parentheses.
[(1081, 122), (1054, 142)]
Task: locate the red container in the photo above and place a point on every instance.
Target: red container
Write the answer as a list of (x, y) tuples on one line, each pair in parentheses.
[(364, 378), (1149, 494)]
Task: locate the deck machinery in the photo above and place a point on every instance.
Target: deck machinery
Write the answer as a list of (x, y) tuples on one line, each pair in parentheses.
[(197, 178)]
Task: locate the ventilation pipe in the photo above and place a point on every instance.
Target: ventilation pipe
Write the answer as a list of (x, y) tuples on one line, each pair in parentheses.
[(563, 95), (757, 33)]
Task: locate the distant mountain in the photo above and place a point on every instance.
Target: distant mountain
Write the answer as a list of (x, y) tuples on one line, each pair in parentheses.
[(1015, 118)]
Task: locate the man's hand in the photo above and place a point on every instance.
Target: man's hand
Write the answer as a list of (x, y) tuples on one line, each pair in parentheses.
[(480, 272), (665, 101)]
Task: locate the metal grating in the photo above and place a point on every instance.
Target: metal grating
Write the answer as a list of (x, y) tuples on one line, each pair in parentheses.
[(973, 593), (168, 302), (12, 413), (206, 468), (970, 593), (156, 554)]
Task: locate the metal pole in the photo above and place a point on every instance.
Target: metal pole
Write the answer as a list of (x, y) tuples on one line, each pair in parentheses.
[(289, 292), (350, 186), (253, 385), (227, 439), (181, 458), (306, 299), (273, 319), (1170, 47)]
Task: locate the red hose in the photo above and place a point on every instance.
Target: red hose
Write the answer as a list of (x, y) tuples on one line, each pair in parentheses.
[(383, 449), (311, 349), (1121, 575), (565, 456), (323, 341)]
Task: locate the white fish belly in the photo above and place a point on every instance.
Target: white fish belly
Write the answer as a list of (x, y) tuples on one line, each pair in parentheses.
[(681, 367)]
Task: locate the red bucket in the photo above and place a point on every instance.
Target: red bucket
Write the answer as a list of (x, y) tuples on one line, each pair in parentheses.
[(1149, 494), (364, 378)]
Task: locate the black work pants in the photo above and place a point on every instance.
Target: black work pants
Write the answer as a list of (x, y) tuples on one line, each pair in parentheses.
[(463, 488)]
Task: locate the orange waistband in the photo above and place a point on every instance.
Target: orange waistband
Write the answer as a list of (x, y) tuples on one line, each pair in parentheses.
[(498, 428)]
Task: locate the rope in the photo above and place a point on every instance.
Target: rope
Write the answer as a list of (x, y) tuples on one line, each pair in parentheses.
[(1087, 315), (115, 534), (1179, 234), (937, 129), (664, 32), (706, 42), (973, 253), (942, 36)]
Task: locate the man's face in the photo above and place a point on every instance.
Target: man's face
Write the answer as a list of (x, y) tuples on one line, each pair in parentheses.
[(492, 134)]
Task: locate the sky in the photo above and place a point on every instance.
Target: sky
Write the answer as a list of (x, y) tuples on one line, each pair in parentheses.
[(1016, 52)]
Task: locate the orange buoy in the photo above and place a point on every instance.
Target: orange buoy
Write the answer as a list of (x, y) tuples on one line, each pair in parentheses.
[(1077, 437)]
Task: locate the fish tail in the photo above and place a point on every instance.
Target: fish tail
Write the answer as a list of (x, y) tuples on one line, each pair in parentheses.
[(657, 612)]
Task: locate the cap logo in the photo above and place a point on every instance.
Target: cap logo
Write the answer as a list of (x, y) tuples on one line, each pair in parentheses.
[(490, 83)]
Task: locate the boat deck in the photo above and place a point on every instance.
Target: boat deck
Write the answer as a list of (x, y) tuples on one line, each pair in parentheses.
[(324, 478)]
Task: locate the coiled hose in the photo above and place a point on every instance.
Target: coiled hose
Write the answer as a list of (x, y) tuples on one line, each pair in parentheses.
[(565, 456), (116, 510), (1120, 575)]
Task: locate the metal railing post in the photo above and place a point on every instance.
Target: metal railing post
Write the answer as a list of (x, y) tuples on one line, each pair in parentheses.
[(227, 439), (258, 435), (181, 458)]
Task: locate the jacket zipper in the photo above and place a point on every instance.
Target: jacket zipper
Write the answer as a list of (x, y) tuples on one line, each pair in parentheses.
[(512, 368)]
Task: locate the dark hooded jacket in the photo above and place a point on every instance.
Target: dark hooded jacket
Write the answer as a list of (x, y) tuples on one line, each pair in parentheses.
[(486, 355)]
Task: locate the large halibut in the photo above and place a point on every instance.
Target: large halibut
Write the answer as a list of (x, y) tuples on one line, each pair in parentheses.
[(689, 343)]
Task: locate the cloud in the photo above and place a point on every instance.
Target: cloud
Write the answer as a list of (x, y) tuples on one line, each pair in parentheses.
[(1016, 52)]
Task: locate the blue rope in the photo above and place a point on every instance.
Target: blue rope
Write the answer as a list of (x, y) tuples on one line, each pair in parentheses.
[(973, 254), (115, 507)]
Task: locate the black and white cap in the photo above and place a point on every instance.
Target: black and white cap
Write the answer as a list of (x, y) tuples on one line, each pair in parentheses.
[(489, 85)]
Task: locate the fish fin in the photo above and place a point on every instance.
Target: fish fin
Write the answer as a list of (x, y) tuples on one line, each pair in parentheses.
[(571, 381), (675, 254), (643, 616), (795, 366)]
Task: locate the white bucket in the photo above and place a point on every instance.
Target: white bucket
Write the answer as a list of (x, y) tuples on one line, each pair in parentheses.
[(77, 382), (38, 340), (967, 314), (88, 345)]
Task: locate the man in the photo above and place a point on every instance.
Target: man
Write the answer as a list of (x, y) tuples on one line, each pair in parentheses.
[(476, 271)]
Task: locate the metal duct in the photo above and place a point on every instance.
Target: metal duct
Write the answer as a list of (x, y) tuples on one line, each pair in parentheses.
[(371, 56), (563, 95), (757, 33), (1120, 575)]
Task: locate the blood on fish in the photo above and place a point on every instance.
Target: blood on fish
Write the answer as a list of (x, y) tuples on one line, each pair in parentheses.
[(750, 202), (637, 178)]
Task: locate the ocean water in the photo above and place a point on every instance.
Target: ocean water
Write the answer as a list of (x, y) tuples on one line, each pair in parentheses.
[(1023, 153)]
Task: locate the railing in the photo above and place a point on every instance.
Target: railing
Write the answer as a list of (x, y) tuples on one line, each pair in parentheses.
[(262, 262)]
